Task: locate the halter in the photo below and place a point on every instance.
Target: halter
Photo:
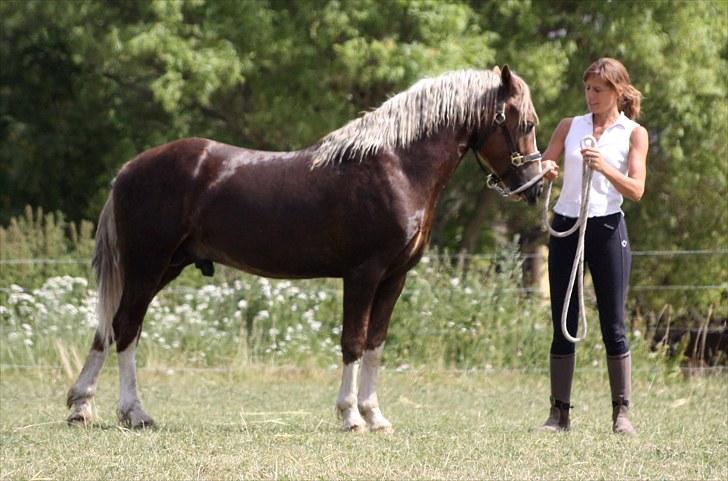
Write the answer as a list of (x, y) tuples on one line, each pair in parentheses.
[(494, 179)]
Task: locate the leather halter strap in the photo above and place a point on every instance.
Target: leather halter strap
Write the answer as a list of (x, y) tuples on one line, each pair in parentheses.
[(494, 179)]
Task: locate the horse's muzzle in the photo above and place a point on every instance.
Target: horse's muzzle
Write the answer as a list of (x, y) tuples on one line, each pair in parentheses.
[(531, 195)]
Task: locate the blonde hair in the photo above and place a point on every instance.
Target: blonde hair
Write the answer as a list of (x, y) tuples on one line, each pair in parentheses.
[(462, 97), (613, 72)]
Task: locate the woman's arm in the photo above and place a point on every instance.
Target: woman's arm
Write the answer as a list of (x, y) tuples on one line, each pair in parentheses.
[(631, 185), (555, 150)]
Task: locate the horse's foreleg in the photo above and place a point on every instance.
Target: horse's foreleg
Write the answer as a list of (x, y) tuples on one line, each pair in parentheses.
[(346, 402), (358, 298), (368, 402), (82, 392)]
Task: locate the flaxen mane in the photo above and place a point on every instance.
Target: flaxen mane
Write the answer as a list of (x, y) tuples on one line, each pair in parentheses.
[(459, 98)]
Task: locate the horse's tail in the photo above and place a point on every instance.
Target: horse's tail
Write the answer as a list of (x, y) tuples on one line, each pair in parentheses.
[(109, 277)]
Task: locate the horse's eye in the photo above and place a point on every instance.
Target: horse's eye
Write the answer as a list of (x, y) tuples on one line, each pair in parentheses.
[(529, 127)]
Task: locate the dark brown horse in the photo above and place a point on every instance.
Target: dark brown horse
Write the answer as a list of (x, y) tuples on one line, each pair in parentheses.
[(357, 205)]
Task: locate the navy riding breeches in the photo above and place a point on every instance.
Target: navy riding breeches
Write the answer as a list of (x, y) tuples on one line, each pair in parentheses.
[(607, 254)]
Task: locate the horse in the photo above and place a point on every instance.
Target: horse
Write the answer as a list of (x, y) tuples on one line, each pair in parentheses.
[(357, 205)]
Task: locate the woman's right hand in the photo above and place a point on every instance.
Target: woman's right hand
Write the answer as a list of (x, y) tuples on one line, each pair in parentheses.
[(554, 172)]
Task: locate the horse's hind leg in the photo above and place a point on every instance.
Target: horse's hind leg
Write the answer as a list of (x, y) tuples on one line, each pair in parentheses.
[(127, 328), (387, 294), (82, 392)]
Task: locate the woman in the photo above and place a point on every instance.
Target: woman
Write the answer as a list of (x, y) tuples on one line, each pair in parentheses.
[(618, 161)]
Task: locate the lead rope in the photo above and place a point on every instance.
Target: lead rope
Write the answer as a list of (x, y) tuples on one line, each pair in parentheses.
[(578, 266)]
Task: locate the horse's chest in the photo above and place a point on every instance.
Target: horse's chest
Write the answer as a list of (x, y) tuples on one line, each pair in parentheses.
[(418, 233)]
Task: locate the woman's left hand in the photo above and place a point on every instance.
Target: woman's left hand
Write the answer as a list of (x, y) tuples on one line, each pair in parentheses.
[(593, 158)]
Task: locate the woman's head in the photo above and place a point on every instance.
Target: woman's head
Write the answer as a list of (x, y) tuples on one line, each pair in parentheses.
[(607, 81)]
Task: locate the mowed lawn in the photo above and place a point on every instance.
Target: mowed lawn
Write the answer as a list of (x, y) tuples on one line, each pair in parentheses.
[(279, 423)]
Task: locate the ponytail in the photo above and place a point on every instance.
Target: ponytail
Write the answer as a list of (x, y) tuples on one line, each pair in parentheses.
[(629, 102)]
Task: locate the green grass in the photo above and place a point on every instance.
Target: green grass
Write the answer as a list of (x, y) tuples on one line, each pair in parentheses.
[(278, 423)]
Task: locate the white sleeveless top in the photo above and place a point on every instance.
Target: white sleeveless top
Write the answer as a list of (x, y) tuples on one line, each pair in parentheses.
[(604, 199)]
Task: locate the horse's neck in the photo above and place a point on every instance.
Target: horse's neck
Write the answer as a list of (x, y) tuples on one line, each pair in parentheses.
[(431, 161)]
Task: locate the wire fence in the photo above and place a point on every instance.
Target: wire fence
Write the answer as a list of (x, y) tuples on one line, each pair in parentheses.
[(465, 256), (531, 255), (398, 369), (537, 291)]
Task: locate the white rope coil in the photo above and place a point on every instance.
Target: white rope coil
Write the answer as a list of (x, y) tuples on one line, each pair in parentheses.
[(578, 265)]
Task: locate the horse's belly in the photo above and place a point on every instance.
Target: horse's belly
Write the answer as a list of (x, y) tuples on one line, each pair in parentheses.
[(269, 254)]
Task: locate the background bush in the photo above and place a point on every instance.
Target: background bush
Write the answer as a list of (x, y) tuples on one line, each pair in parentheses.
[(455, 311)]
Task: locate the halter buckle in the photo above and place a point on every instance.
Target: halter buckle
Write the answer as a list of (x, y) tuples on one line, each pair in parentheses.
[(517, 159), (500, 117)]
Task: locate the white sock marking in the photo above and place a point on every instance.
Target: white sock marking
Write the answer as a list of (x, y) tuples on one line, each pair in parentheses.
[(368, 400), (346, 403), (130, 406), (86, 384)]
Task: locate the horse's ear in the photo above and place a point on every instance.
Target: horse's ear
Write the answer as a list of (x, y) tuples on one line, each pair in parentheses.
[(497, 70), (506, 79)]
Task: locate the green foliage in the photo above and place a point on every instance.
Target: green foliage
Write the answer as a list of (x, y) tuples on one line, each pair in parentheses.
[(467, 314), (62, 247), (461, 312), (85, 86)]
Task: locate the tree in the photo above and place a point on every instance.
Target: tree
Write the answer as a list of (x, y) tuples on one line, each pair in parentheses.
[(84, 89)]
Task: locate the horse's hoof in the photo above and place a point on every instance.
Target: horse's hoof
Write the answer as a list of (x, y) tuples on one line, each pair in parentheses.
[(135, 419), (376, 421), (79, 420), (80, 416), (139, 421), (385, 428), (146, 423), (356, 428)]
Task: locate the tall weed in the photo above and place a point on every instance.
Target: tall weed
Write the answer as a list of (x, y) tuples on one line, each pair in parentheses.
[(468, 312), (64, 247)]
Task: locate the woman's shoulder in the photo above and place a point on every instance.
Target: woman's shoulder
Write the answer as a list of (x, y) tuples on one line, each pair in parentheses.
[(638, 133), (578, 121), (631, 124), (565, 124)]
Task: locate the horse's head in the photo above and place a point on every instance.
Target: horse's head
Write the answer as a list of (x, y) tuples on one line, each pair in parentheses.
[(506, 142)]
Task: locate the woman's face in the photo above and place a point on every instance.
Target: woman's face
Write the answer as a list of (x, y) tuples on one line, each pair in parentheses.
[(601, 98)]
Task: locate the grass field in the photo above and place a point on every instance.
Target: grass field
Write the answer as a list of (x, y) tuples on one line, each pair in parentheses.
[(279, 423)]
